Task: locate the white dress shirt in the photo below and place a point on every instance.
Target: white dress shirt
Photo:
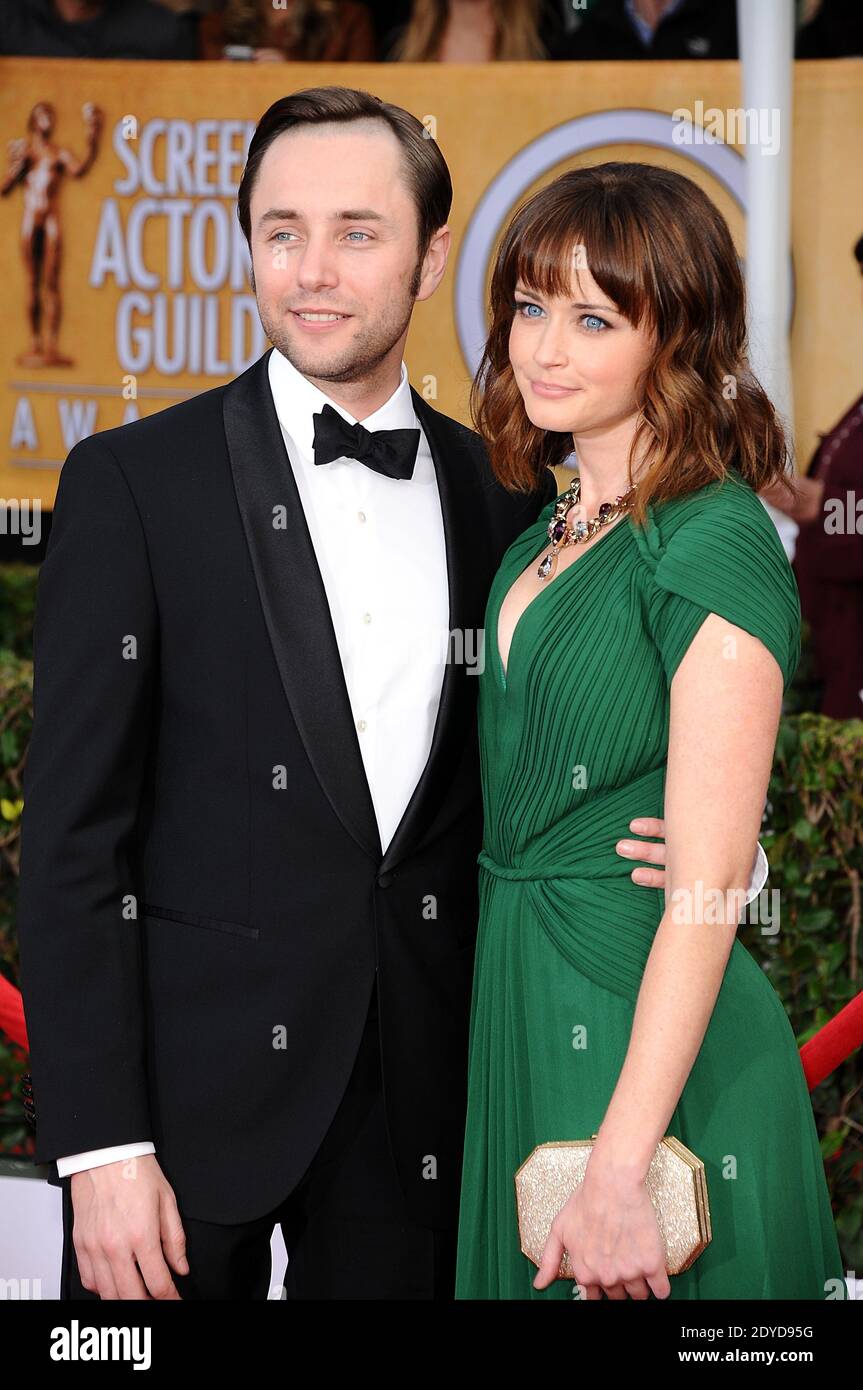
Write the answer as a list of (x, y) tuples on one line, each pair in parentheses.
[(381, 550)]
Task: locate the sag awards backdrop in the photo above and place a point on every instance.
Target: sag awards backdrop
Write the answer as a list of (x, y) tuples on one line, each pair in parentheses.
[(125, 274), (125, 284)]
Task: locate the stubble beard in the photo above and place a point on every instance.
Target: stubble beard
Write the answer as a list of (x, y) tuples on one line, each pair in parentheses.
[(358, 359)]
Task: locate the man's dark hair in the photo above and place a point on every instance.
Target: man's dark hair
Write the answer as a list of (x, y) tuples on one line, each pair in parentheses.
[(425, 169)]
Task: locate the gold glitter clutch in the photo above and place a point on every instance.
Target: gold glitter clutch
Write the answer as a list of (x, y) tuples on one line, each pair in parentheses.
[(675, 1181)]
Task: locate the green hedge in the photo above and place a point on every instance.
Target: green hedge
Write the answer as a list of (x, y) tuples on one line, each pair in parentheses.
[(815, 847), (16, 700)]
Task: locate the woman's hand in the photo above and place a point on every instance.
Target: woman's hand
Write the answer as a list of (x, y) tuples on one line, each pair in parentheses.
[(609, 1227)]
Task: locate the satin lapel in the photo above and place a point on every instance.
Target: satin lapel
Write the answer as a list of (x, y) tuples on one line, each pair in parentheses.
[(468, 556), (294, 601)]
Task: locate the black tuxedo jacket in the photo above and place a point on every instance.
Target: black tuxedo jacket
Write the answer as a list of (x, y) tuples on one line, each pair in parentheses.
[(203, 899)]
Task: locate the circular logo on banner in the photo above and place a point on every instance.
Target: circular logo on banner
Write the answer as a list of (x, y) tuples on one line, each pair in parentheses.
[(627, 126)]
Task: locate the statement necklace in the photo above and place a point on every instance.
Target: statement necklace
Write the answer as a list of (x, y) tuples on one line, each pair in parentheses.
[(562, 534)]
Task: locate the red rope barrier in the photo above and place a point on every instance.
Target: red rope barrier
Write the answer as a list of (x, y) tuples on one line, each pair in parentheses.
[(821, 1055), (12, 1013), (833, 1043)]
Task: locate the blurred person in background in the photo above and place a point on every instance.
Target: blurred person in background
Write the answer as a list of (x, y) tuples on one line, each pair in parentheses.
[(95, 29), (386, 14), (828, 560), (194, 7), (300, 31), (637, 29), (829, 29), (479, 31), (607, 30)]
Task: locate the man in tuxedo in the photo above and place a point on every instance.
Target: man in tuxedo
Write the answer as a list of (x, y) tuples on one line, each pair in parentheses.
[(248, 893)]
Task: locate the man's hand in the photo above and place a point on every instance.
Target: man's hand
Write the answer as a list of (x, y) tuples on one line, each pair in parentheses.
[(125, 1213), (804, 504), (639, 849)]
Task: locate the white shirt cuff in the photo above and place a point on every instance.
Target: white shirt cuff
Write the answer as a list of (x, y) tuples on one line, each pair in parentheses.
[(760, 871), (96, 1158)]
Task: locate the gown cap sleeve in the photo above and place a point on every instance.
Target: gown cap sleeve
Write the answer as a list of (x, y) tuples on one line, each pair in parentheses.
[(717, 550)]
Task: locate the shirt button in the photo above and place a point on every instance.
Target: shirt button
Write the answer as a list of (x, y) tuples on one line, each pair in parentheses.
[(361, 516), (361, 724), (367, 617)]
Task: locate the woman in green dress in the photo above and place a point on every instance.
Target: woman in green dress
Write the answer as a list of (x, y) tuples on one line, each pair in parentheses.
[(636, 666)]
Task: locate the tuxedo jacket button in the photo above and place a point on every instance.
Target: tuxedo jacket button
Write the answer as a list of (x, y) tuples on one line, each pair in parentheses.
[(384, 880)]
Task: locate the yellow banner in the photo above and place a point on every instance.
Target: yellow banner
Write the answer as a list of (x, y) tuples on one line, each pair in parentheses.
[(125, 285)]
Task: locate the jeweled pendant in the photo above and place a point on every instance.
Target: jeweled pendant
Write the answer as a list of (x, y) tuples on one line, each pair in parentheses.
[(548, 565)]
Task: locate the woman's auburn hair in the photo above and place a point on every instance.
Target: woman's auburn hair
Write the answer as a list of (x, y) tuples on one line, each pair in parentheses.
[(663, 253)]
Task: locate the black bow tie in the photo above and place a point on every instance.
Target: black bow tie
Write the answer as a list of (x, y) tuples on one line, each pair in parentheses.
[(391, 452)]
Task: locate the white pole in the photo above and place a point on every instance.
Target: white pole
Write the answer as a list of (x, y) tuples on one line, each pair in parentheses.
[(766, 37)]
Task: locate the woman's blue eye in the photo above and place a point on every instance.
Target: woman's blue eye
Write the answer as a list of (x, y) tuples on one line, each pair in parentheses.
[(593, 322)]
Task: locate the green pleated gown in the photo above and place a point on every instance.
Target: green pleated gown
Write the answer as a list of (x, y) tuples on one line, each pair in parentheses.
[(564, 934)]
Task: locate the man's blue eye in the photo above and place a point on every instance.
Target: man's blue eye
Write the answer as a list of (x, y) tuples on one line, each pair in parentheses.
[(285, 233)]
